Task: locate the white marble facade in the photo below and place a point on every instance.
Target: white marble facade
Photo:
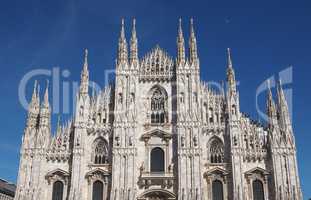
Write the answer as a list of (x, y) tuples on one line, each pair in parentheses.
[(159, 132)]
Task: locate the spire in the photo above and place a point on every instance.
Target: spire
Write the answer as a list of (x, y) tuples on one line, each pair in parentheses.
[(230, 72), (271, 110), (85, 66), (34, 93), (34, 108), (84, 85), (229, 58), (46, 95), (192, 44), (281, 96), (180, 44), (134, 45), (283, 107), (34, 103), (45, 109), (122, 50)]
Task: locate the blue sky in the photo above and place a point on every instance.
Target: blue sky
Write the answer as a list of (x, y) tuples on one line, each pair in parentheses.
[(265, 37)]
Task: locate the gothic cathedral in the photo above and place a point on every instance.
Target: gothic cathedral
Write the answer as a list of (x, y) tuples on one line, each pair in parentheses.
[(159, 133)]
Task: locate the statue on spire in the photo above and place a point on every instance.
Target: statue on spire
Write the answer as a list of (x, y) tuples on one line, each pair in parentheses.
[(46, 95), (230, 72), (84, 85)]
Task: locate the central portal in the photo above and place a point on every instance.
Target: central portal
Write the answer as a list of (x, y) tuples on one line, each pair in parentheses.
[(157, 195)]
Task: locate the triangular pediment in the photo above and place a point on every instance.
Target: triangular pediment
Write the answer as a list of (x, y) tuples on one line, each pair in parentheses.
[(97, 171), (58, 172), (216, 170), (257, 170), (156, 133)]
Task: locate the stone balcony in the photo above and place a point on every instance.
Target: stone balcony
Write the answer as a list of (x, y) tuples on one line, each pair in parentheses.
[(162, 179)]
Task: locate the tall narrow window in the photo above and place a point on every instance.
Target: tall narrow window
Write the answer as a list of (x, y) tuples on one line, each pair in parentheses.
[(258, 192), (182, 97), (217, 190), (157, 160), (98, 189), (206, 112), (216, 151), (158, 107), (211, 115), (100, 152), (58, 190)]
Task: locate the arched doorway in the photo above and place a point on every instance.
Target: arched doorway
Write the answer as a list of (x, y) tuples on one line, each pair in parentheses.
[(258, 191), (217, 190), (98, 190), (58, 190), (157, 194)]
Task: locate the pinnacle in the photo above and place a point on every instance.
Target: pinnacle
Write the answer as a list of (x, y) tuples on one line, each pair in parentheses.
[(46, 94), (229, 58)]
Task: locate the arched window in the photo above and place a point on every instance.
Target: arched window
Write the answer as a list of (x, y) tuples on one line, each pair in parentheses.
[(100, 152), (98, 189), (58, 190), (217, 190), (158, 106), (157, 160), (258, 192), (216, 151)]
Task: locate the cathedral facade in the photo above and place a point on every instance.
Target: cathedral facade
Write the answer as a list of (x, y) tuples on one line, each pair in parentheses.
[(159, 133)]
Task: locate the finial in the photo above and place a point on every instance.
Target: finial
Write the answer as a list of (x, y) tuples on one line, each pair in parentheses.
[(134, 30), (122, 29), (191, 27), (269, 89), (180, 32), (35, 86), (180, 23), (94, 90), (34, 94), (269, 84), (58, 121), (229, 58), (86, 52), (46, 95), (38, 90)]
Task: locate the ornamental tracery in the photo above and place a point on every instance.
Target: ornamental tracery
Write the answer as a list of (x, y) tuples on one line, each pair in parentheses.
[(156, 65), (216, 151), (158, 106), (100, 152)]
